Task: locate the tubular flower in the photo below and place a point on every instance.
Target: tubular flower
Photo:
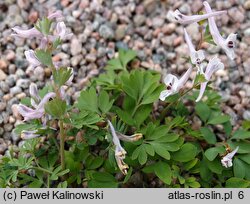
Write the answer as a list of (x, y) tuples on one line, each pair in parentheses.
[(228, 44), (174, 84), (196, 56), (31, 58), (226, 161), (38, 111), (120, 153), (127, 138), (177, 16), (213, 66), (29, 134), (62, 32)]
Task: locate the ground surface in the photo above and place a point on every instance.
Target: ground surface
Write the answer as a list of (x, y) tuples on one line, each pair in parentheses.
[(100, 28)]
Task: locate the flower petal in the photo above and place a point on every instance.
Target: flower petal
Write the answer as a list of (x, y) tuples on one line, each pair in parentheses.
[(214, 65), (31, 57), (45, 100), (34, 92), (56, 15), (29, 134), (29, 113), (30, 33), (182, 81), (127, 138), (202, 90), (164, 94), (177, 16), (231, 154)]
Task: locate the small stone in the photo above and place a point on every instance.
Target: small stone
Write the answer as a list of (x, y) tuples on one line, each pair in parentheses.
[(139, 20), (91, 57), (247, 32), (169, 28), (33, 16), (106, 32), (247, 5), (2, 106), (75, 47), (23, 83), (3, 65), (157, 22), (246, 115), (15, 90), (39, 73), (2, 75), (120, 32), (10, 55), (4, 86), (15, 111), (21, 95), (75, 60)]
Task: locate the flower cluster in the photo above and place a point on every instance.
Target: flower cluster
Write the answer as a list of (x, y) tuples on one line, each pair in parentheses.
[(197, 57), (50, 35)]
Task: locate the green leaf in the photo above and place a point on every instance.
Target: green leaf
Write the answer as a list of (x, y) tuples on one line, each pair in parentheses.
[(189, 165), (149, 149), (103, 102), (44, 56), (102, 180), (44, 25), (215, 166), (237, 183), (244, 146), (208, 135), (245, 158), (239, 168), (94, 162), (128, 176), (161, 150), (203, 111), (241, 134), (142, 114), (126, 56), (56, 108), (85, 118), (163, 172), (125, 117), (88, 100), (187, 152), (212, 153), (61, 75), (219, 119)]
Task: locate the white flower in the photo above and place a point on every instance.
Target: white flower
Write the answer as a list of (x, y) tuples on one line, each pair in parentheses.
[(196, 56), (177, 16), (120, 153), (174, 84), (228, 44), (214, 65), (227, 160)]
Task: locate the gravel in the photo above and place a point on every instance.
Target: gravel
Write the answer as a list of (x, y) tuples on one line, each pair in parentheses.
[(100, 29)]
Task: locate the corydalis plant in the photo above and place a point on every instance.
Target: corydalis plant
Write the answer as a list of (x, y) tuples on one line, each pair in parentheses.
[(51, 34)]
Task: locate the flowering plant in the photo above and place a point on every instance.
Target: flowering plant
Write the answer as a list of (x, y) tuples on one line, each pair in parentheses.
[(118, 132)]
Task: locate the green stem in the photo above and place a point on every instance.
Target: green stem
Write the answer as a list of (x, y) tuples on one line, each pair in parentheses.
[(42, 169), (48, 181), (62, 141)]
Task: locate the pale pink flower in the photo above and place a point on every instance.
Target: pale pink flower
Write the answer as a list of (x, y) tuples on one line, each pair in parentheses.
[(227, 44), (174, 84), (226, 161), (177, 16), (196, 56), (214, 65)]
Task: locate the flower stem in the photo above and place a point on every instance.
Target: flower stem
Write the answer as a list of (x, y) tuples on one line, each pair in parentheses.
[(62, 141)]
